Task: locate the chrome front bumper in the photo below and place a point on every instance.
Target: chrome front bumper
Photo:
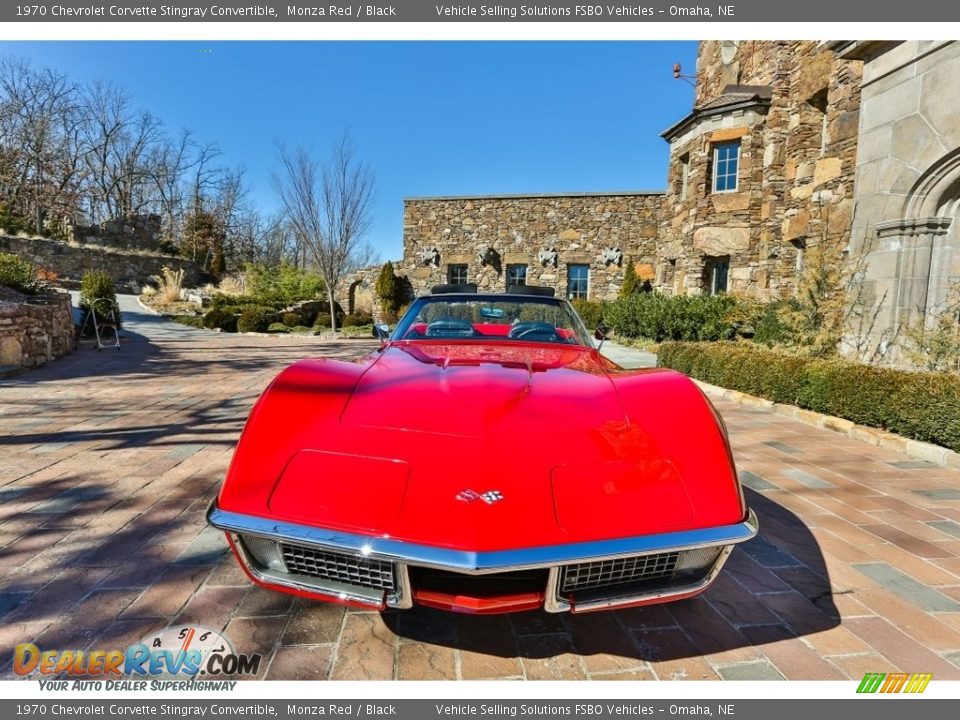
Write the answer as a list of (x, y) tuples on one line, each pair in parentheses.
[(404, 555)]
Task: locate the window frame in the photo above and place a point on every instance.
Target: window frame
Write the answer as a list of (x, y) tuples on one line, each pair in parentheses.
[(711, 264), (458, 266), (571, 295), (511, 267), (716, 174)]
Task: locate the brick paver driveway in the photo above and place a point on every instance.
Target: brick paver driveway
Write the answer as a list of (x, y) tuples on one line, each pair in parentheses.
[(109, 460)]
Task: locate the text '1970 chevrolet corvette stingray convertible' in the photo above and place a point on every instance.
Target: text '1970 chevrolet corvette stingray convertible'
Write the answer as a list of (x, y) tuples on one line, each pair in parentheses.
[(486, 458)]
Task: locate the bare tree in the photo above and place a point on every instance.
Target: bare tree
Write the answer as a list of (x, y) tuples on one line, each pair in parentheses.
[(328, 205), (37, 122)]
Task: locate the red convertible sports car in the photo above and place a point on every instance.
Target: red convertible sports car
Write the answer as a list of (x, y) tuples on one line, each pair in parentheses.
[(486, 458)]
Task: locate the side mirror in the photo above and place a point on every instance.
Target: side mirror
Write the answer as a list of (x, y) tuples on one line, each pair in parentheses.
[(381, 331)]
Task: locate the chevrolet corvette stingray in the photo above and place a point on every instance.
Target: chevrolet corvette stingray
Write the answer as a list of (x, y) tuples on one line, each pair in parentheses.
[(486, 458)]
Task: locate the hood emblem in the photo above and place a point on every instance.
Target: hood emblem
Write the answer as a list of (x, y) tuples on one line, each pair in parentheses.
[(489, 497)]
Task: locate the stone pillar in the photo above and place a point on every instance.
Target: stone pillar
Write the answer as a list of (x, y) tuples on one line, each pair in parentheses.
[(905, 267)]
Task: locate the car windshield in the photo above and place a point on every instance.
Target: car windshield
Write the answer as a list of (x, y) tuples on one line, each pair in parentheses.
[(490, 317)]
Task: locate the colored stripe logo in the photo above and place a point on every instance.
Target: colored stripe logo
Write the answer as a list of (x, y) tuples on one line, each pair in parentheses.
[(894, 682)]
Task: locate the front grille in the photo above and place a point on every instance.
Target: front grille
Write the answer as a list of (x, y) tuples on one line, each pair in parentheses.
[(603, 573), (339, 567)]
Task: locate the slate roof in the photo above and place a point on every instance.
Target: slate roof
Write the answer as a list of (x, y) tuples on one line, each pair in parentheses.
[(732, 97)]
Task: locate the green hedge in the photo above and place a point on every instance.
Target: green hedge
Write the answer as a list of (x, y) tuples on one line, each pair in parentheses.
[(920, 405), (681, 317)]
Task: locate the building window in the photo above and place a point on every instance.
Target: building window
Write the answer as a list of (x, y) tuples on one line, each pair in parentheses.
[(715, 270), (516, 275), (819, 103), (457, 274), (726, 161), (684, 175), (800, 244), (578, 280)]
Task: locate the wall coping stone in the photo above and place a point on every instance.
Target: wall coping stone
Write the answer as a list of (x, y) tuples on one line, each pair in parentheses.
[(518, 196)]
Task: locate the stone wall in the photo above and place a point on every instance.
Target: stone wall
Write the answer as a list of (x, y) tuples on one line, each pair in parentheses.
[(132, 232), (34, 330), (130, 270), (545, 233), (798, 154)]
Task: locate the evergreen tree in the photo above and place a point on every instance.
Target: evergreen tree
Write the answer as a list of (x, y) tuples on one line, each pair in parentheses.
[(631, 283), (388, 288)]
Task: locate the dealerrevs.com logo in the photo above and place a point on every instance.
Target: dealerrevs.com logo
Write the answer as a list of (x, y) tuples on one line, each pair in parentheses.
[(187, 651), (894, 682)]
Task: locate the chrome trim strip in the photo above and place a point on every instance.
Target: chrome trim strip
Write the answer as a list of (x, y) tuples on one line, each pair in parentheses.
[(402, 599), (478, 563)]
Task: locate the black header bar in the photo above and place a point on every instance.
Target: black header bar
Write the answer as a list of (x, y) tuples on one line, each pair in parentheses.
[(313, 11)]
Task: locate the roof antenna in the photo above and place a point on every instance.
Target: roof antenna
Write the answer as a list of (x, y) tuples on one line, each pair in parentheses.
[(678, 75)]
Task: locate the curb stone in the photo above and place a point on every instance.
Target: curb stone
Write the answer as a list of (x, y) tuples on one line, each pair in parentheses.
[(873, 436)]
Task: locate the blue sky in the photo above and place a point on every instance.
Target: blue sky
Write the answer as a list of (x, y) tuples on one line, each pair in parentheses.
[(431, 118)]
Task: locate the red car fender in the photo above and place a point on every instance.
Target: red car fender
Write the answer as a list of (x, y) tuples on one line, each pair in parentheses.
[(678, 417), (282, 423)]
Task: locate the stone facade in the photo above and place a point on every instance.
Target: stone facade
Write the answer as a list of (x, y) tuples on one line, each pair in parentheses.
[(34, 330), (545, 234), (792, 108), (907, 186), (130, 270)]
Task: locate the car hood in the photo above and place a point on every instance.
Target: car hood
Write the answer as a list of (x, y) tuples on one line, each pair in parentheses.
[(484, 389), (485, 447)]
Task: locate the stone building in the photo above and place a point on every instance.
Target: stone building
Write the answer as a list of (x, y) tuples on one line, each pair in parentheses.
[(907, 187), (852, 148), (579, 243), (761, 169)]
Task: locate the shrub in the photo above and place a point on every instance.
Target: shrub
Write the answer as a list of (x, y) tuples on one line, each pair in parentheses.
[(194, 321), (357, 319), (283, 285), (219, 301), (682, 317), (590, 311), (255, 318), (97, 290), (292, 319), (920, 405), (220, 318), (322, 321), (46, 277), (278, 327), (18, 274)]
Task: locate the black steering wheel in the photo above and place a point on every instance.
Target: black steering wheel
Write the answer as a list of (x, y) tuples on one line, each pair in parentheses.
[(534, 331), (449, 328)]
